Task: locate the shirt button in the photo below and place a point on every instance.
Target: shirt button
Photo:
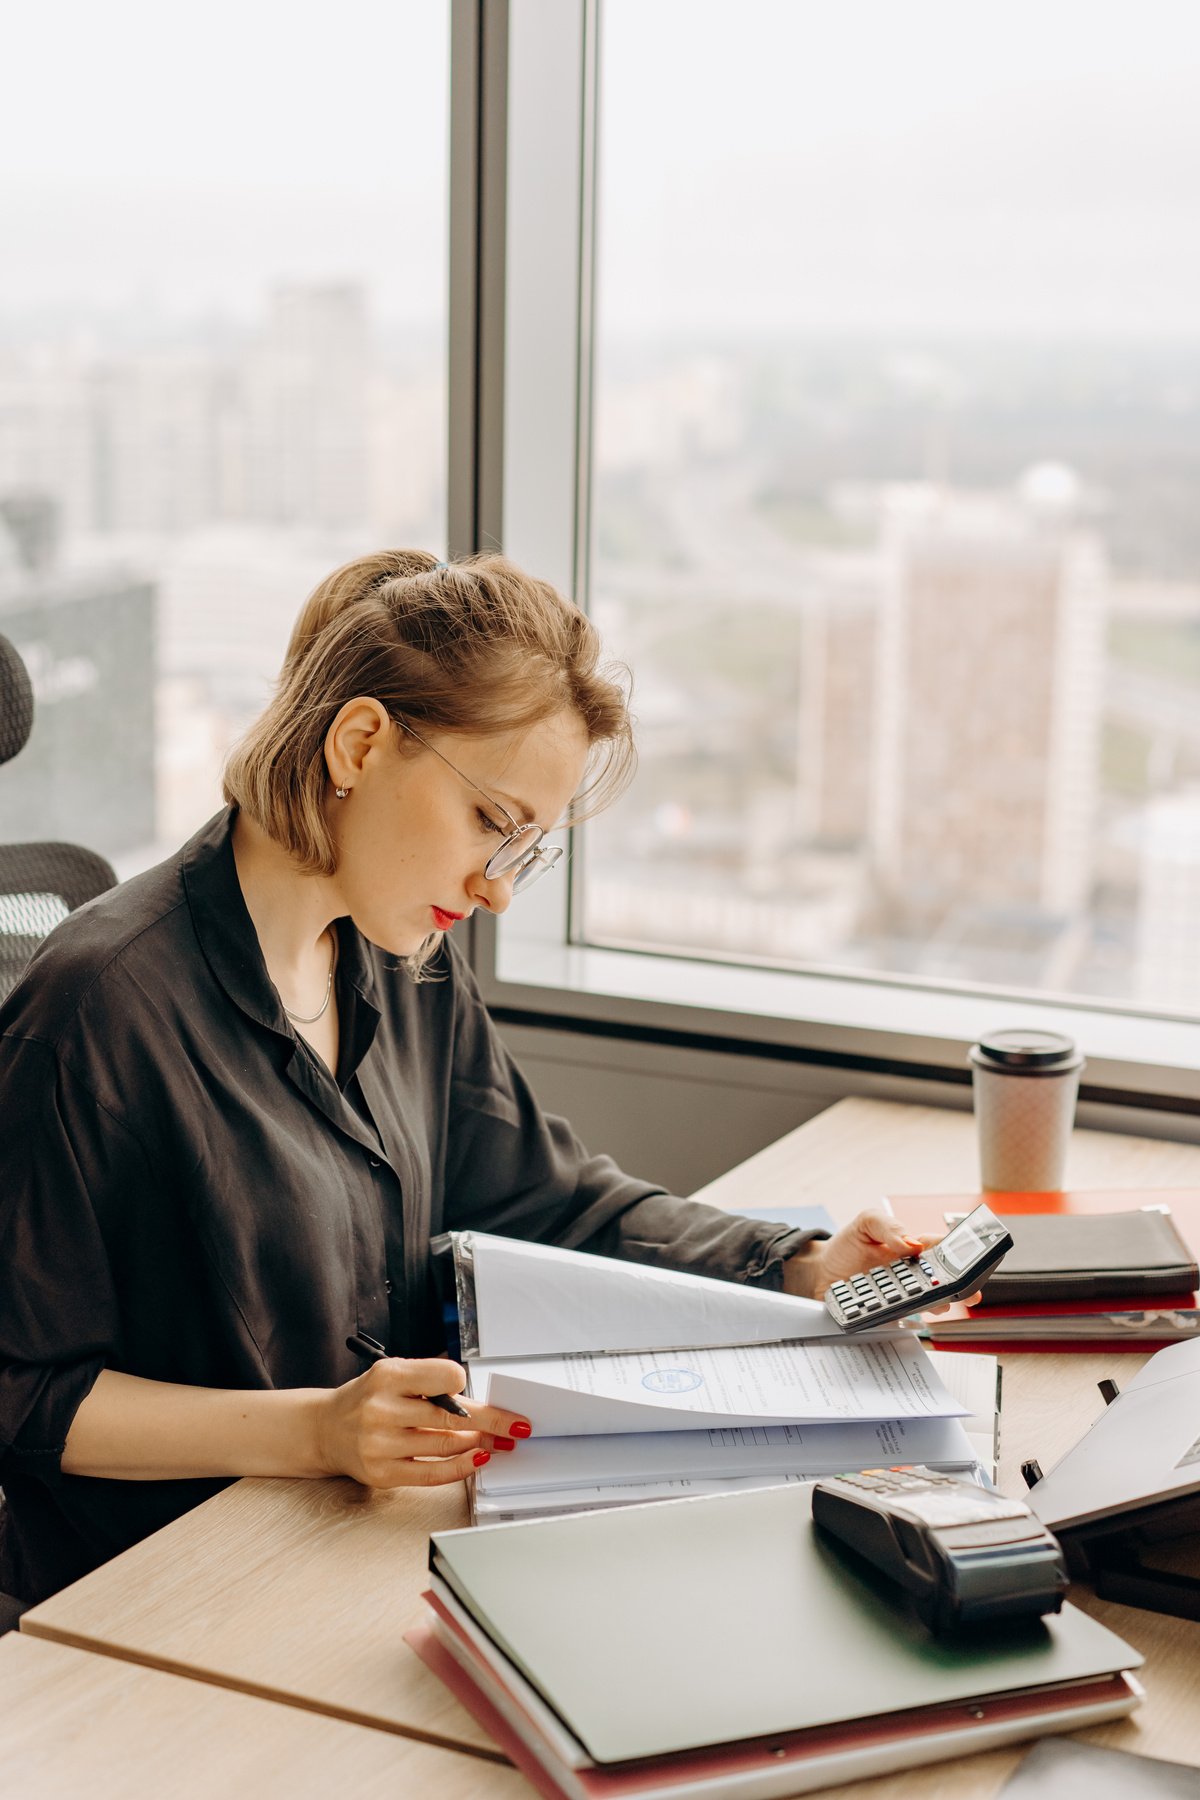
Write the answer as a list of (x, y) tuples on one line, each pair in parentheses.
[(387, 1287), (374, 1161)]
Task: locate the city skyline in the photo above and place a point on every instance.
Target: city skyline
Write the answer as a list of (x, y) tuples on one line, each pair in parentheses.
[(764, 519), (773, 488)]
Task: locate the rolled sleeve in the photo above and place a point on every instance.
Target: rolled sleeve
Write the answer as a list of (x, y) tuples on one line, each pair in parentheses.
[(697, 1239)]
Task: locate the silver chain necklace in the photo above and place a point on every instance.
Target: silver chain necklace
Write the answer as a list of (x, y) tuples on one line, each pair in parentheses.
[(311, 1018)]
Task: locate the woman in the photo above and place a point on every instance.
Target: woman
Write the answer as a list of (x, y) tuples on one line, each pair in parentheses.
[(242, 1091)]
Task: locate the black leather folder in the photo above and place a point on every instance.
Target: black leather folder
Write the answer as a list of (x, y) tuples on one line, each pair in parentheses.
[(1083, 1256)]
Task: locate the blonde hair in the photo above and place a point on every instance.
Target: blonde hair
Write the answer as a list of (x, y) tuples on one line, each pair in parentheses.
[(471, 646)]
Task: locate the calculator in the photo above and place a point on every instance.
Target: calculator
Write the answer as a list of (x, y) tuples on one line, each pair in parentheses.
[(950, 1268), (965, 1554)]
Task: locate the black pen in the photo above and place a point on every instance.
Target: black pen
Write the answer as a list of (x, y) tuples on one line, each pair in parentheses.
[(372, 1351)]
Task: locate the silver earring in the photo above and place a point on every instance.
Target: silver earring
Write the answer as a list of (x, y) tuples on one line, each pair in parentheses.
[(341, 792)]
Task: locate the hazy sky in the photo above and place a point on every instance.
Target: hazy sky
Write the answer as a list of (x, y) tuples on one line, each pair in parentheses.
[(1021, 165), (187, 157), (1016, 165)]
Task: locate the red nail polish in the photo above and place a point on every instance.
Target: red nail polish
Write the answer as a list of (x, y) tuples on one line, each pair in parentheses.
[(503, 1444), (480, 1457), (522, 1428)]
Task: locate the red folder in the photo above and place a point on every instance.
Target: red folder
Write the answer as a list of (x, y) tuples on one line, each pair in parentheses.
[(928, 1211), (796, 1762)]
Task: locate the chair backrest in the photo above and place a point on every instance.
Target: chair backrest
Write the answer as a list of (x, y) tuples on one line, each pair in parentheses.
[(39, 883), (16, 702)]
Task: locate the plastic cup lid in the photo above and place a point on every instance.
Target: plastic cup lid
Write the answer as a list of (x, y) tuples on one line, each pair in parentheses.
[(1024, 1049)]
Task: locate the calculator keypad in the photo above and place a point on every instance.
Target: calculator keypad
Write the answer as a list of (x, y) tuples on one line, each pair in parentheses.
[(894, 1289)]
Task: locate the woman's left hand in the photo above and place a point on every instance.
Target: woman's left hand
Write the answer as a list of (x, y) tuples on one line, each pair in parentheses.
[(870, 1239)]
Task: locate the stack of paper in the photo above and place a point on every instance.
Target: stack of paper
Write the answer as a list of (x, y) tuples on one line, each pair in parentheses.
[(1092, 1324), (562, 1474), (1111, 1320), (677, 1383)]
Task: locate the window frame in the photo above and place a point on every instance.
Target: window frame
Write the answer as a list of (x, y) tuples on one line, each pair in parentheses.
[(523, 164)]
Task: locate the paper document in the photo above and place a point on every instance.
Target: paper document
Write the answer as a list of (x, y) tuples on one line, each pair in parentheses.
[(975, 1380), (742, 1450), (496, 1509), (537, 1300), (773, 1384)]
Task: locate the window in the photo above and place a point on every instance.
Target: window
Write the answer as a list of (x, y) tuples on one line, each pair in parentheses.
[(222, 372), (894, 465)]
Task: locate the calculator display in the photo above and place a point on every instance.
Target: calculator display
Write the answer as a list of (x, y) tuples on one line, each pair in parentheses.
[(962, 1247), (970, 1241)]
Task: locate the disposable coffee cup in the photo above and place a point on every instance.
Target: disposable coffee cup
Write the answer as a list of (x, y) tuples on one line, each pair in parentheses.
[(1025, 1086)]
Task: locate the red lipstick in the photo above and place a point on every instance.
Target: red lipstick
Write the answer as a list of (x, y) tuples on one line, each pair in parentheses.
[(444, 920)]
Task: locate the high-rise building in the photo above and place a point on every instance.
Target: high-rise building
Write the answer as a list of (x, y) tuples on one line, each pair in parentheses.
[(307, 409), (837, 707), (48, 431), (157, 419), (990, 688), (299, 427), (87, 774), (407, 456)]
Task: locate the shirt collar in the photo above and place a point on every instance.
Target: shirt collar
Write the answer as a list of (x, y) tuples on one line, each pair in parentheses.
[(229, 941)]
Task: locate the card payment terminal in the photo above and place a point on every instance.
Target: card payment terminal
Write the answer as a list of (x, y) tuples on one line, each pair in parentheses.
[(967, 1555)]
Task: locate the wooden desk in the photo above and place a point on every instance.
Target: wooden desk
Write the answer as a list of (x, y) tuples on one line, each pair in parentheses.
[(73, 1724), (300, 1591), (848, 1156)]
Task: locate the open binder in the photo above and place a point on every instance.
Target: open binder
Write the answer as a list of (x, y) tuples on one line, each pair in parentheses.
[(643, 1383), (585, 1344)]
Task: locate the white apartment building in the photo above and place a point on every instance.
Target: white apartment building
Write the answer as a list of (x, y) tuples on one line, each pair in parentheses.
[(990, 687)]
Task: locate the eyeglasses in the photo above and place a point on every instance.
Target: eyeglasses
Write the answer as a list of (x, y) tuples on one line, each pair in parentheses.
[(521, 852)]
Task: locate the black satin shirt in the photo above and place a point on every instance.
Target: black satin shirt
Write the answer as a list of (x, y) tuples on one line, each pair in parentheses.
[(188, 1194)]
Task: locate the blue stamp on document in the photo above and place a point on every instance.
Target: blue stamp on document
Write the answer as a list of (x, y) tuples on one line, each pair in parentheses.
[(672, 1381)]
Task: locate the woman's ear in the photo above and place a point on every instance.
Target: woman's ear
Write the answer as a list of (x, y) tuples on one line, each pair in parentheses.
[(360, 727)]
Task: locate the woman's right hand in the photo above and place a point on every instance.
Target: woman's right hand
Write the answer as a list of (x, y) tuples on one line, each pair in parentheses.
[(381, 1430)]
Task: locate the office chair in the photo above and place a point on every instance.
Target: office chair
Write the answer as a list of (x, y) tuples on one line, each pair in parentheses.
[(39, 885)]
